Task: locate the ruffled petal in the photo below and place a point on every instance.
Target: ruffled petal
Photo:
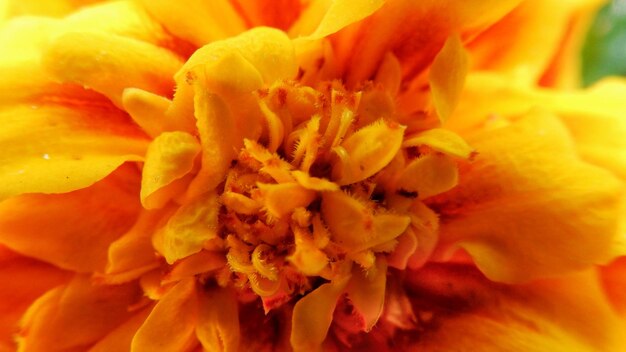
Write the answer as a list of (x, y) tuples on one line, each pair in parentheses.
[(528, 207), (170, 157), (23, 280), (171, 324), (76, 315), (121, 337), (460, 310), (72, 230)]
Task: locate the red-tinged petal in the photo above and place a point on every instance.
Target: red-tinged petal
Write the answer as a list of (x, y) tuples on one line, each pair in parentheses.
[(218, 322), (23, 280), (109, 63), (171, 324), (76, 315), (366, 291), (198, 21), (528, 207), (447, 76), (72, 230), (313, 314), (169, 158), (460, 310), (414, 31), (613, 278), (121, 337)]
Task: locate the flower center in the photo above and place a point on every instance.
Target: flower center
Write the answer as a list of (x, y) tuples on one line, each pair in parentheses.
[(327, 186)]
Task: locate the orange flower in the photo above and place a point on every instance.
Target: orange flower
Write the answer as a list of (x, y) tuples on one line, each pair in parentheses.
[(375, 175)]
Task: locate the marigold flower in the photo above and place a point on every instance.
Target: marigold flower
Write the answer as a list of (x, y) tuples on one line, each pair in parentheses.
[(307, 175)]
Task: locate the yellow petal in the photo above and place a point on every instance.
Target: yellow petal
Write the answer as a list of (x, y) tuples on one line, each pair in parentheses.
[(148, 110), (76, 315), (441, 140), (109, 63), (281, 199), (20, 289), (218, 323), (217, 138), (447, 76), (367, 151), (354, 226), (542, 316), (54, 149), (428, 175), (170, 156), (366, 291), (198, 21), (52, 8), (342, 13), (313, 314), (190, 227), (79, 226), (170, 326), (528, 207)]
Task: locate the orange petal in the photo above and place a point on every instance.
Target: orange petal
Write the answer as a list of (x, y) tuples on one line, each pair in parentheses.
[(170, 156), (132, 254), (342, 13), (613, 278), (121, 337), (23, 280), (447, 76), (72, 230), (198, 21), (281, 199), (313, 314), (76, 315), (543, 316), (109, 63), (528, 207), (218, 324), (170, 326)]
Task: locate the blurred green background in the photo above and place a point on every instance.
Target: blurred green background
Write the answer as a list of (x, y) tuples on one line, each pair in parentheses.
[(604, 52)]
